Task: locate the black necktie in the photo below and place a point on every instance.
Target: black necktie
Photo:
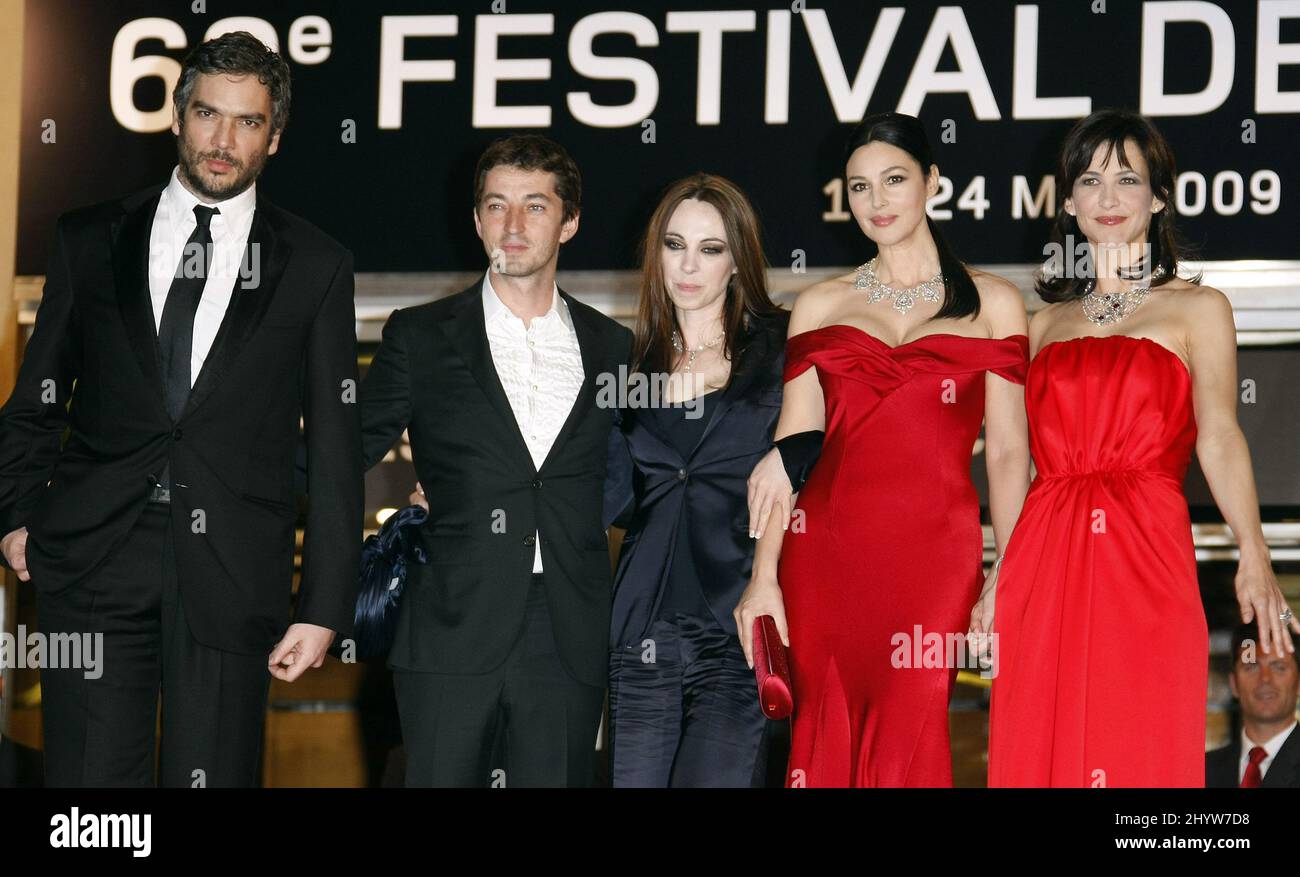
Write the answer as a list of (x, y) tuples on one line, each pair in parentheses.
[(176, 330)]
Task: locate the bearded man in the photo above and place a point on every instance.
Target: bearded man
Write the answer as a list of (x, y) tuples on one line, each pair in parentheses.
[(147, 451)]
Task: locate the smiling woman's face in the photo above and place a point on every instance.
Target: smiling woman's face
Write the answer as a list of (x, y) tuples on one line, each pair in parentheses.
[(888, 191), (1112, 203)]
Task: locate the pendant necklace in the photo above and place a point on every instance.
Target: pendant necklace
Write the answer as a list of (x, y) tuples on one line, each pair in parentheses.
[(1106, 308), (680, 347), (903, 299)]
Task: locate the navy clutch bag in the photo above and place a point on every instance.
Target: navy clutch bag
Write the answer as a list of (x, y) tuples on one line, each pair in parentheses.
[(385, 557)]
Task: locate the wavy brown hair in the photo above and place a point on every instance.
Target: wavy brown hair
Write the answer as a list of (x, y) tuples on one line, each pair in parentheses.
[(747, 293), (1112, 128)]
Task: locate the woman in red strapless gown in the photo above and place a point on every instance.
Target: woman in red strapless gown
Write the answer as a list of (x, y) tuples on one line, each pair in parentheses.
[(1101, 644), (890, 542), (1097, 599)]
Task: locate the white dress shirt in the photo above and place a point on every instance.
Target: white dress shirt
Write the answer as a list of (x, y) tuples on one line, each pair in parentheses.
[(1271, 747), (540, 368), (173, 223)]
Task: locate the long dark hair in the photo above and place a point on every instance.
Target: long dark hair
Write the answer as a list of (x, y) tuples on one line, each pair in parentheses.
[(747, 293), (1111, 128), (960, 297)]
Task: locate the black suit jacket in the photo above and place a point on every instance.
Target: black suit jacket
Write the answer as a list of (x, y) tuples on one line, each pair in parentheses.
[(462, 611), (286, 348), (1222, 765), (698, 504)]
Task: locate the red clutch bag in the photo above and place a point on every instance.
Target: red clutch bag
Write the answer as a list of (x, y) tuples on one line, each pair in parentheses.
[(771, 669)]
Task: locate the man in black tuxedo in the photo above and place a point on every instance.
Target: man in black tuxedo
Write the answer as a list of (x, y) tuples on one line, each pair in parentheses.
[(501, 635), (1267, 751), (183, 332)]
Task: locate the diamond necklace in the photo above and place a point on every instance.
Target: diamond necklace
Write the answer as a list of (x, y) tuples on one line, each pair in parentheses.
[(1105, 308), (903, 299), (680, 347)]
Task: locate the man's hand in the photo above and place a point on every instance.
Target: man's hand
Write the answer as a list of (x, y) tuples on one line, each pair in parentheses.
[(15, 551), (417, 498), (303, 646)]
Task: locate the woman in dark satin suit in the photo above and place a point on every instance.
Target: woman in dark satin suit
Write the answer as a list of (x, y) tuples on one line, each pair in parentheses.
[(708, 356)]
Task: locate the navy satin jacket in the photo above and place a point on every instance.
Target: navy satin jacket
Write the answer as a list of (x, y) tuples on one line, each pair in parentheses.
[(698, 503)]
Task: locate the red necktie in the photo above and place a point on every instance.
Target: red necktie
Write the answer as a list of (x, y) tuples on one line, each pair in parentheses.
[(1253, 777)]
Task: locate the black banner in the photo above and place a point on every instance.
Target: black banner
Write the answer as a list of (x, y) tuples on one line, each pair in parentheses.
[(394, 99)]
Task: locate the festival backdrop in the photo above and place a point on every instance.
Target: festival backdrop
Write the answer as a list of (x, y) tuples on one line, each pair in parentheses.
[(394, 99)]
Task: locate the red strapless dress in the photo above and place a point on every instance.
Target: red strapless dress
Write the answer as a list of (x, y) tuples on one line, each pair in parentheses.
[(1102, 642), (889, 546)]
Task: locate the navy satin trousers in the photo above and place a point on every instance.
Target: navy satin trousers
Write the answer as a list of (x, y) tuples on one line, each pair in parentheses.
[(683, 708)]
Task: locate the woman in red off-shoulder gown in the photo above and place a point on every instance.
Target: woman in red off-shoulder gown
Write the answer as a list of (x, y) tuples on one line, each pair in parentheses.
[(889, 544)]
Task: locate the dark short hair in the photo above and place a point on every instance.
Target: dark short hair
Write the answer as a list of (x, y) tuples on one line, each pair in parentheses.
[(238, 53), (1249, 633), (1111, 128), (533, 152)]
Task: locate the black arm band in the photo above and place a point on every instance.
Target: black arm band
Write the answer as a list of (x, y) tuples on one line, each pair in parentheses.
[(798, 454)]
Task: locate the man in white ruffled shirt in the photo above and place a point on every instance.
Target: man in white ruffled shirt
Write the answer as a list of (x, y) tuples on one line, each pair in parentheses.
[(500, 654)]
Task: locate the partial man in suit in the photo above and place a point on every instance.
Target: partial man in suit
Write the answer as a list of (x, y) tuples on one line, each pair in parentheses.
[(183, 333), (1267, 751), (499, 657)]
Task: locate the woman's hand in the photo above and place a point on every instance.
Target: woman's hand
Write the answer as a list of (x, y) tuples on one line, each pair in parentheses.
[(769, 491), (762, 597), (1260, 598), (417, 498), (981, 618), (1225, 460)]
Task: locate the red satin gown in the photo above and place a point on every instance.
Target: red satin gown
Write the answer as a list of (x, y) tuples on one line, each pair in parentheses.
[(889, 540), (1102, 642)]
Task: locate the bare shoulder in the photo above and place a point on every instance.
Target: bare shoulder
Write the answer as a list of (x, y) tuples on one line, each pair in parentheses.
[(1001, 304), (1205, 301), (992, 287), (997, 292), (1049, 313), (1204, 313), (812, 304), (1042, 320)]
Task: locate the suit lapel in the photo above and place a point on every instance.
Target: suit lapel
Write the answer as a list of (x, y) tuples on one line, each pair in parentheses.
[(1226, 767), (1282, 772), (589, 345), (266, 254), (467, 332), (130, 236)]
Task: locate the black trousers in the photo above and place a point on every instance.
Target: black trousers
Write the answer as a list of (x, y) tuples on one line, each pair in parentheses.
[(100, 726), (528, 723), (683, 710)]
